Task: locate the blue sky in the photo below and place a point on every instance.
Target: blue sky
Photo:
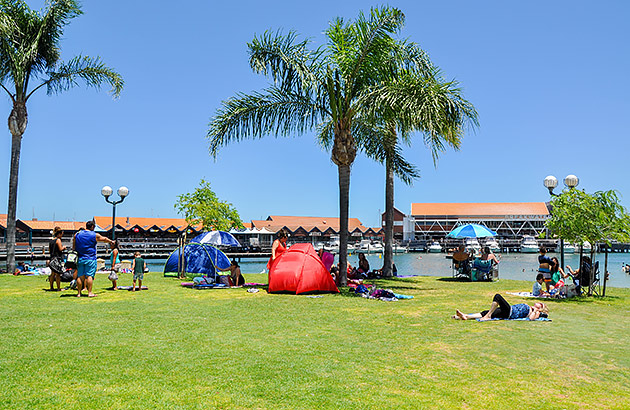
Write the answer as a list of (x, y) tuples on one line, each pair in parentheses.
[(549, 80)]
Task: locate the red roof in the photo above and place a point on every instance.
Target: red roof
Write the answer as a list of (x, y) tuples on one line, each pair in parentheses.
[(105, 222), (479, 209), (309, 223), (36, 225)]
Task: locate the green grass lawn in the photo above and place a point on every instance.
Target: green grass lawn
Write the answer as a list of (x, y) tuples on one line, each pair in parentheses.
[(176, 348)]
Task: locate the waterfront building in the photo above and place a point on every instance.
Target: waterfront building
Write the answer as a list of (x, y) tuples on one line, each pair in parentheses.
[(130, 228), (154, 237), (511, 220), (399, 220), (315, 228)]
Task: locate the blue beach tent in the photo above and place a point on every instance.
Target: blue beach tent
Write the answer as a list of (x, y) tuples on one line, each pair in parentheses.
[(199, 260)]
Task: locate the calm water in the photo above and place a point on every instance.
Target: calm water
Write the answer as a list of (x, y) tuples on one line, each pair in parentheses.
[(519, 266)]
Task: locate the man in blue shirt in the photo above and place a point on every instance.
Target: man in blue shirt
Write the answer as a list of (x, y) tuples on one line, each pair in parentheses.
[(84, 242)]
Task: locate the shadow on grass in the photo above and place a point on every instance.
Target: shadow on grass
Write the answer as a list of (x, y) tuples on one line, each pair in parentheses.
[(583, 300), (462, 280)]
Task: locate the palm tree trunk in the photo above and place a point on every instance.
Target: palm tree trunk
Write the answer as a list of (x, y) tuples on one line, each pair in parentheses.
[(343, 153), (17, 125), (388, 256), (344, 202)]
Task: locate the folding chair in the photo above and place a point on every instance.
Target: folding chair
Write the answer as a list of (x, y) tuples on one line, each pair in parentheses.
[(461, 269), (483, 270), (595, 287)]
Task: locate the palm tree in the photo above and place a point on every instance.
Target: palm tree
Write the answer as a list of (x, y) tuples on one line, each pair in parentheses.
[(320, 89), (412, 98), (416, 99), (30, 54)]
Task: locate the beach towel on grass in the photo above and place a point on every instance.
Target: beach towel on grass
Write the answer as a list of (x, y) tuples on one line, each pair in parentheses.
[(526, 295), (540, 319), (211, 286)]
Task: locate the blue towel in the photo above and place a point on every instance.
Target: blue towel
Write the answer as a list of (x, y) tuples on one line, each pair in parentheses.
[(399, 296), (540, 319)]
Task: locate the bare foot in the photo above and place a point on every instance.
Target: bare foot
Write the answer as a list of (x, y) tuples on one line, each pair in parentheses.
[(461, 315), (91, 295), (78, 295)]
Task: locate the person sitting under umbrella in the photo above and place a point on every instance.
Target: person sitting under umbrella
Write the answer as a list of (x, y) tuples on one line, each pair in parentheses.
[(461, 260)]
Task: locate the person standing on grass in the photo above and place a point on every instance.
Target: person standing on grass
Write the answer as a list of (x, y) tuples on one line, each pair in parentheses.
[(84, 242), (138, 267), (278, 247), (55, 264), (115, 265)]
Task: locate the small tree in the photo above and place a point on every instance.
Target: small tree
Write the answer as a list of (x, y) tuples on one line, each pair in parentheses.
[(613, 222), (204, 207), (578, 217)]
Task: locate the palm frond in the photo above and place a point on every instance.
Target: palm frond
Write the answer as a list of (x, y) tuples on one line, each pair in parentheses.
[(326, 135), (46, 43), (424, 104), (408, 56), (288, 61), (92, 71), (380, 144), (360, 49), (252, 116)]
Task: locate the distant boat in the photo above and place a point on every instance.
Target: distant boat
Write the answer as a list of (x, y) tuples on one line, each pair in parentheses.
[(368, 246), (529, 244), (493, 245), (568, 247), (398, 248), (473, 243), (415, 246), (435, 247)]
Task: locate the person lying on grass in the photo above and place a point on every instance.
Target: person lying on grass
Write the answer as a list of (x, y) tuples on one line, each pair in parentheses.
[(500, 309)]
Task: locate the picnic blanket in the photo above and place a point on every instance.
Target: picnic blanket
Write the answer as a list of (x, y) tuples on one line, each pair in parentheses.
[(540, 319), (194, 285), (526, 295)]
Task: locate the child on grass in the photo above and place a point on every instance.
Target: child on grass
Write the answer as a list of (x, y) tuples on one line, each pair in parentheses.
[(138, 267), (537, 289)]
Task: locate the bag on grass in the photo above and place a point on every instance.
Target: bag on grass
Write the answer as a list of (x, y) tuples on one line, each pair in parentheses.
[(225, 280), (56, 265), (66, 276)]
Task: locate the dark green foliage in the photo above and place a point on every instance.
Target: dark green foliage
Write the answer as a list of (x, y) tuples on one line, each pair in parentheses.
[(599, 217), (204, 207)]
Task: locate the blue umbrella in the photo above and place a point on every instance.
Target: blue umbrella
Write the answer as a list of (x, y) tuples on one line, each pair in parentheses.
[(471, 231), (217, 238)]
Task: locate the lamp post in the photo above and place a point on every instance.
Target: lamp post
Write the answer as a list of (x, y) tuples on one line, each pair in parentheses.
[(551, 182), (107, 191)]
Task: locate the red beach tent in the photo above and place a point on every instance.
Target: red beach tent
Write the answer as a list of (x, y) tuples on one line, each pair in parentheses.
[(299, 270)]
